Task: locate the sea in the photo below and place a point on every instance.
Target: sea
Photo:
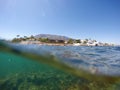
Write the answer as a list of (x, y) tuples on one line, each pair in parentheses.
[(43, 67)]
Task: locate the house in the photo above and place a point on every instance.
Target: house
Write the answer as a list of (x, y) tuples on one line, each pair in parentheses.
[(92, 43), (60, 41), (52, 41), (76, 44)]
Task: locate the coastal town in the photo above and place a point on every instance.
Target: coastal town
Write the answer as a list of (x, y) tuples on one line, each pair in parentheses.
[(47, 40)]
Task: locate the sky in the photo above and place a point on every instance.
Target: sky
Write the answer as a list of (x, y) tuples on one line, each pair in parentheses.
[(95, 19)]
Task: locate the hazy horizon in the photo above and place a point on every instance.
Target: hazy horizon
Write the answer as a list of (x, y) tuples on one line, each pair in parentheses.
[(95, 19)]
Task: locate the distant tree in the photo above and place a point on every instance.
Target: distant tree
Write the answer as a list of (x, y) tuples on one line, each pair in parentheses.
[(32, 37), (78, 41), (16, 40), (94, 41), (70, 41), (18, 36), (25, 37), (47, 39), (85, 42), (21, 38), (39, 39), (43, 39)]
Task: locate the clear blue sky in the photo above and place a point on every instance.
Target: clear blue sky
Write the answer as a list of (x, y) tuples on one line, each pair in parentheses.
[(95, 19)]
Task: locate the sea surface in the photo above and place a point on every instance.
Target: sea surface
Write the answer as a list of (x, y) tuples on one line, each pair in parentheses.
[(42, 67)]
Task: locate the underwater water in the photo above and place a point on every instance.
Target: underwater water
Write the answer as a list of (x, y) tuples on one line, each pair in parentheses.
[(35, 67)]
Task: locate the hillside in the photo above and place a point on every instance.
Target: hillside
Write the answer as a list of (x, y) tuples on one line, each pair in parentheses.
[(56, 37)]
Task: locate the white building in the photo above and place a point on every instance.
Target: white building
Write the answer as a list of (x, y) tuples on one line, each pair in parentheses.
[(76, 44)]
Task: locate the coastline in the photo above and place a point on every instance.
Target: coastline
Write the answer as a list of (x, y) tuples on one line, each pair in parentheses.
[(55, 40), (58, 44)]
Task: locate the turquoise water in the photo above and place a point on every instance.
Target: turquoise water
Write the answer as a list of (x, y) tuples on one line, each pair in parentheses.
[(34, 67), (23, 74)]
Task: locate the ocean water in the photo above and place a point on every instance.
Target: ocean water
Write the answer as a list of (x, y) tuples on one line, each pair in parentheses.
[(42, 67)]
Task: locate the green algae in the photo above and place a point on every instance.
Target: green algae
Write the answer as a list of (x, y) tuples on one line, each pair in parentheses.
[(21, 71)]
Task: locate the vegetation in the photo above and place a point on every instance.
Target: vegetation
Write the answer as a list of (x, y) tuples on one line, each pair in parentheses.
[(85, 42), (18, 36), (52, 79), (70, 41), (78, 41), (16, 40), (45, 39)]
